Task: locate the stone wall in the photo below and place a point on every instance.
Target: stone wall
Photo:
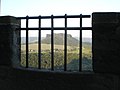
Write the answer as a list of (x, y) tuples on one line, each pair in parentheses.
[(106, 42), (9, 41), (24, 79)]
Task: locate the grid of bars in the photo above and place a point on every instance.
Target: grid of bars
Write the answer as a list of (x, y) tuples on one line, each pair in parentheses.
[(52, 28)]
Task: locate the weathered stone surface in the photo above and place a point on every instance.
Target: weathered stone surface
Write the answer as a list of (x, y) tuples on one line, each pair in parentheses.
[(106, 42), (20, 79), (9, 41)]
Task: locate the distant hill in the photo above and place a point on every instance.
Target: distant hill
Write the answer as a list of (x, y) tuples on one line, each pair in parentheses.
[(85, 39), (31, 39), (58, 39)]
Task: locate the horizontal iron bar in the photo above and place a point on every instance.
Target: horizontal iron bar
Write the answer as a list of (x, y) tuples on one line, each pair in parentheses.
[(58, 28), (48, 17)]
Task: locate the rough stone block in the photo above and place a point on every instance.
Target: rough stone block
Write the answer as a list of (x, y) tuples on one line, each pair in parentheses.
[(9, 41), (106, 42), (19, 79)]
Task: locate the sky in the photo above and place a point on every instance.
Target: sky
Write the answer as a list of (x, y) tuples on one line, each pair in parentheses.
[(57, 7), (20, 8)]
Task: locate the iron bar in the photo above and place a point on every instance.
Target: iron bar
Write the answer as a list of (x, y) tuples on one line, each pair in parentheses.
[(39, 44), (20, 44), (80, 47), (59, 28), (48, 17), (65, 44), (52, 28), (52, 44), (27, 41)]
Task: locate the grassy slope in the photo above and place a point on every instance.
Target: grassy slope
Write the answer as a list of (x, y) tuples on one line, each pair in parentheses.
[(34, 46), (58, 56), (72, 49)]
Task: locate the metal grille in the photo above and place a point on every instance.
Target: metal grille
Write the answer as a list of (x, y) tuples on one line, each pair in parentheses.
[(52, 28)]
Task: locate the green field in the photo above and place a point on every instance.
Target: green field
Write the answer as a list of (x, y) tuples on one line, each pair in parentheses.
[(33, 47), (72, 56)]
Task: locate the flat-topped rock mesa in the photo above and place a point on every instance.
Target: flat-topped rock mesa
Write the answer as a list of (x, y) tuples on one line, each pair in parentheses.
[(58, 35), (59, 39)]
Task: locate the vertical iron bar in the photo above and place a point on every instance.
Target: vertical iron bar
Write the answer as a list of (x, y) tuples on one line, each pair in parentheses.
[(52, 44), (39, 44), (19, 39), (27, 47), (65, 44), (20, 43), (80, 47)]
